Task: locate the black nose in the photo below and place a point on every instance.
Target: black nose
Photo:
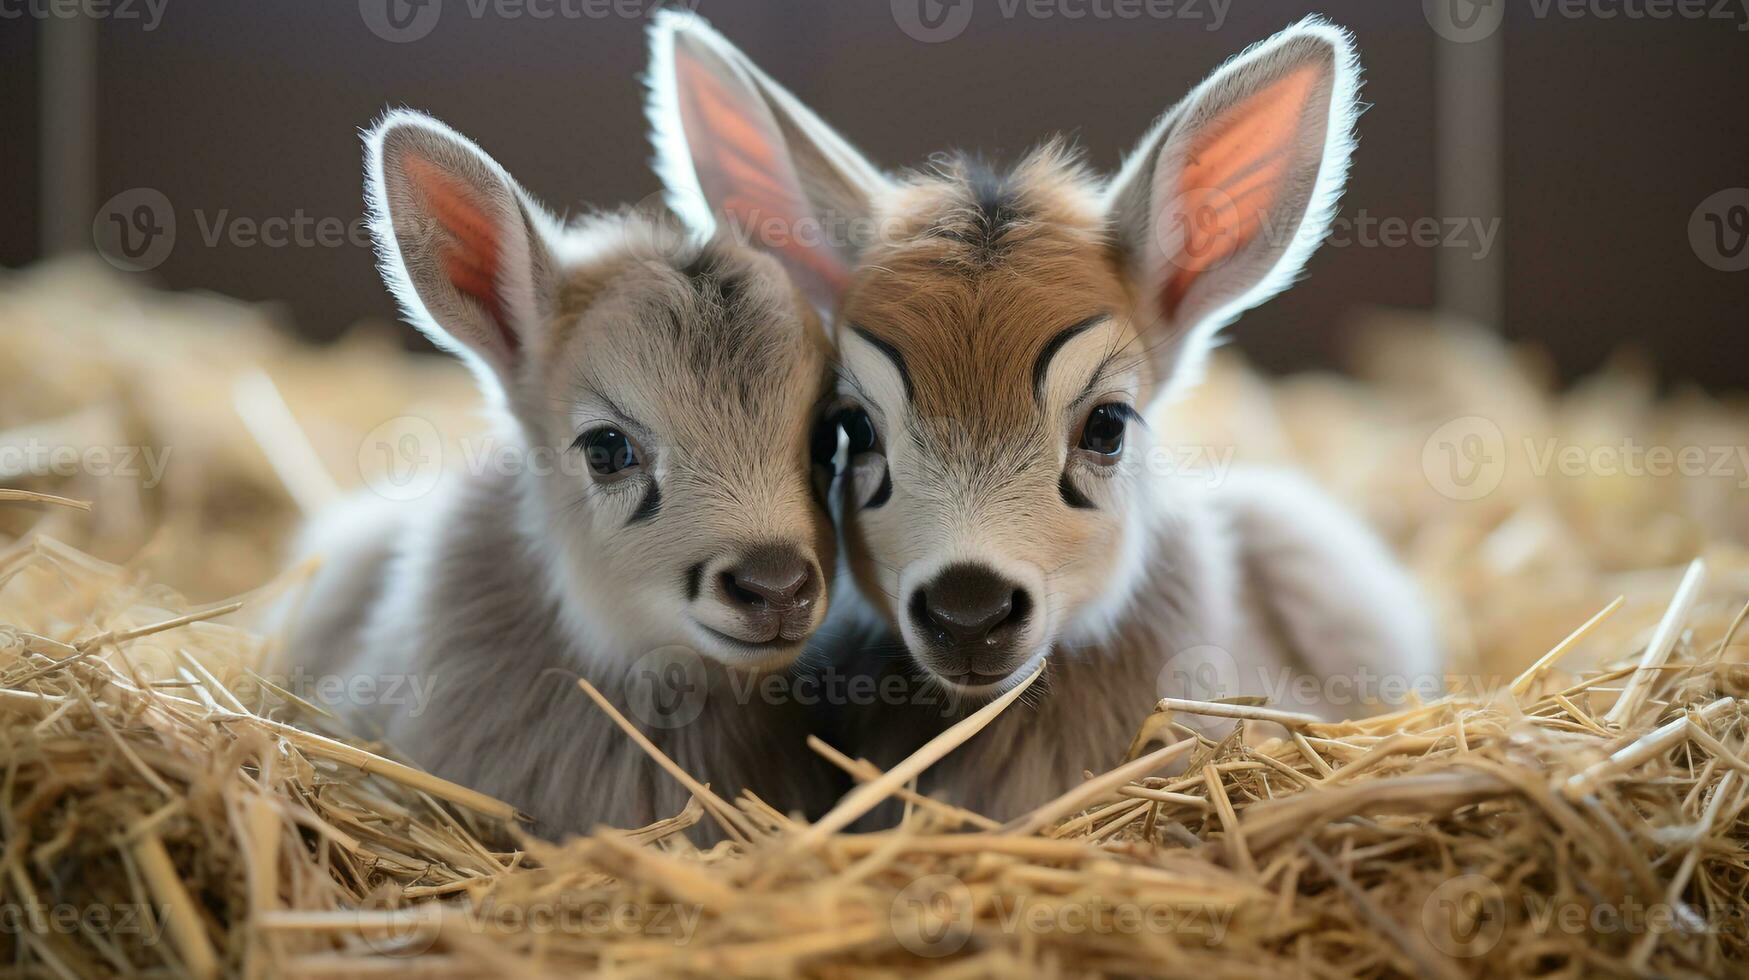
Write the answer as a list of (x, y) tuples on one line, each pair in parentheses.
[(971, 614), (773, 578)]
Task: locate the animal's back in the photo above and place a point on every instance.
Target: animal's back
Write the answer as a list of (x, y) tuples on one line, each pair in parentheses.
[(355, 541)]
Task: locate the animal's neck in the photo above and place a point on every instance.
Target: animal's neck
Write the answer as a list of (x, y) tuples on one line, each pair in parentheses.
[(495, 565), (497, 652)]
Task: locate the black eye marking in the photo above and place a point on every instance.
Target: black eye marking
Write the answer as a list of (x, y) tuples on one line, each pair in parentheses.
[(1072, 496), (884, 491), (1055, 344), (648, 507), (694, 579), (892, 354)]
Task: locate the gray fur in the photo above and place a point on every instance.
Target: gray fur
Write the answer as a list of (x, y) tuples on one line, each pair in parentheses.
[(460, 615), (458, 625)]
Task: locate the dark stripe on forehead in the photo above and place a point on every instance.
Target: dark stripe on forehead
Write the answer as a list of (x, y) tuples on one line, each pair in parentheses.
[(993, 197), (892, 354), (987, 207), (710, 275), (1055, 344)]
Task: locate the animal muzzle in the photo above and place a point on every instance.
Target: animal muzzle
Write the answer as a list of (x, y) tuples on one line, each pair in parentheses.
[(973, 624), (767, 595)]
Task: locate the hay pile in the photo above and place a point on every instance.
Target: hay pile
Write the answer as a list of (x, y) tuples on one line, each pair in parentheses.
[(1577, 806)]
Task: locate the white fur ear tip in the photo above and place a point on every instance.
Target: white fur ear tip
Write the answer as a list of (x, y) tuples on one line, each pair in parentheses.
[(403, 118), (1340, 39), (1344, 57), (672, 159), (670, 19), (670, 22)]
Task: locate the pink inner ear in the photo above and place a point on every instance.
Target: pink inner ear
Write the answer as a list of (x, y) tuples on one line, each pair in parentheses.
[(1233, 174), (470, 251), (743, 166)]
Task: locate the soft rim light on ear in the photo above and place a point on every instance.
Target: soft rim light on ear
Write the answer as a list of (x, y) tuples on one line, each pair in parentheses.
[(736, 153), (742, 161), (1232, 178), (470, 254)]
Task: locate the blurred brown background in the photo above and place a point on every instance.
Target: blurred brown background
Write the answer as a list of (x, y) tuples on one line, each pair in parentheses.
[(1563, 159)]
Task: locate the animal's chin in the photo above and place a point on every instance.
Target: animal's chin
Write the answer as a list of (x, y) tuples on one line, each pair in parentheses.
[(733, 652), (972, 685)]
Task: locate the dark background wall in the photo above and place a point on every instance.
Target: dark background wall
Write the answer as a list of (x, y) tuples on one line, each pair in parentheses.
[(1615, 130)]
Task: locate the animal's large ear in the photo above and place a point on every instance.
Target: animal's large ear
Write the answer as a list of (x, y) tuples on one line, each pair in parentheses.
[(460, 244), (1230, 192), (733, 147)]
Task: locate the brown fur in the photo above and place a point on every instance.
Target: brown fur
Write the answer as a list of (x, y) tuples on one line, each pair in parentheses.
[(970, 300), (978, 522)]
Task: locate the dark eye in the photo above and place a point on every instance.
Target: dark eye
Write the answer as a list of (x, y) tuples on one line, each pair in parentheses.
[(823, 445), (1103, 432), (608, 450), (859, 429)]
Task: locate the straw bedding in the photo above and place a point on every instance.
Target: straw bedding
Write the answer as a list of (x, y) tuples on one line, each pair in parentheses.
[(1575, 807)]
